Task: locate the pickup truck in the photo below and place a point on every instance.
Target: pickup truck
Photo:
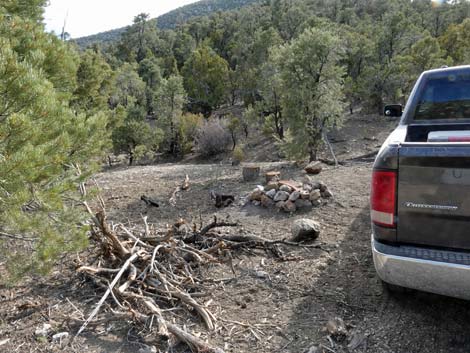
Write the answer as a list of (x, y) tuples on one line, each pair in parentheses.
[(420, 192)]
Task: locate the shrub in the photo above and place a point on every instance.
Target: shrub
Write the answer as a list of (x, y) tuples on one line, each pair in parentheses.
[(188, 126), (212, 139), (238, 155)]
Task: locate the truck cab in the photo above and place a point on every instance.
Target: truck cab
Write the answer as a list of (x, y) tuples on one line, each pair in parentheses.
[(420, 192)]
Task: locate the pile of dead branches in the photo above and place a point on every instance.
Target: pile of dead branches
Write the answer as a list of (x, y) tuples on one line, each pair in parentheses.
[(149, 273), (145, 271)]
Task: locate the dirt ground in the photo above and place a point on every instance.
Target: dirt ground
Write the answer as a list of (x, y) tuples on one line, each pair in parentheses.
[(264, 304)]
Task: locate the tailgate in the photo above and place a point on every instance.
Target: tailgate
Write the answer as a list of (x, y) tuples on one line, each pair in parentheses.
[(434, 195)]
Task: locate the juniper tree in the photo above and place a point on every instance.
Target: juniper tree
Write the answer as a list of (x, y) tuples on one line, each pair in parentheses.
[(312, 82), (42, 142)]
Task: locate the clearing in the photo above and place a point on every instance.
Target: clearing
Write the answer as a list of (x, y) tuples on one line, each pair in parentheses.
[(264, 304)]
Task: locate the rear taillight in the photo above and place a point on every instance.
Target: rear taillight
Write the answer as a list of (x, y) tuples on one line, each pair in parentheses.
[(383, 198)]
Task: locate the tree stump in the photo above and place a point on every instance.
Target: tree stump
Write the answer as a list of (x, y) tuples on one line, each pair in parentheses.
[(250, 173), (272, 176)]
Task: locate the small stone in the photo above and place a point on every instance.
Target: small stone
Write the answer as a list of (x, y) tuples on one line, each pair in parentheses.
[(304, 195), (307, 187), (314, 349), (305, 229), (43, 331), (322, 186), (336, 328), (271, 193), (256, 203), (315, 195), (147, 349), (286, 188), (261, 274), (289, 206), (267, 201), (271, 186), (316, 185), (256, 195), (281, 196), (302, 203), (280, 204), (313, 168), (326, 194), (316, 203), (307, 180), (59, 337), (294, 196)]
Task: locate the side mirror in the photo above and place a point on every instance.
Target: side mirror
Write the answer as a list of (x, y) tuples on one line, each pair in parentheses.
[(393, 110)]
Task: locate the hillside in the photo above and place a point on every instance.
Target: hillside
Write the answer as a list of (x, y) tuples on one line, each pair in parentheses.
[(171, 19)]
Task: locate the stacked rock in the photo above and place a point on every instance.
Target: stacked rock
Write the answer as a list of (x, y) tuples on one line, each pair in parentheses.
[(289, 196)]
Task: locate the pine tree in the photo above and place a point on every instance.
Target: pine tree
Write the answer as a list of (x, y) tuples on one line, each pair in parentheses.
[(43, 143)]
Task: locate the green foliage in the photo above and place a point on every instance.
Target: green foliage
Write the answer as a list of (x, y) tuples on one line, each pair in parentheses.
[(238, 155), (205, 74), (312, 82), (129, 87), (456, 42), (94, 84), (188, 126), (135, 137), (168, 102), (43, 143)]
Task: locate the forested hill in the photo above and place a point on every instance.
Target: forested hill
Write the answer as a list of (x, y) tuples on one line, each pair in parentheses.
[(171, 19)]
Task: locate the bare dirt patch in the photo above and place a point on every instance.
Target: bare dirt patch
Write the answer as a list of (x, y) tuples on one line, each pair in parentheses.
[(263, 304)]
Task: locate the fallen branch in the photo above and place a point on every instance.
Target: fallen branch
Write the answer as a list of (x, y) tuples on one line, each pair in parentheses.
[(183, 187), (108, 291)]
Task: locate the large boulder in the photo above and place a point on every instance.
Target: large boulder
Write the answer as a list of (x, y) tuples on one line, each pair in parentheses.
[(305, 229), (314, 168)]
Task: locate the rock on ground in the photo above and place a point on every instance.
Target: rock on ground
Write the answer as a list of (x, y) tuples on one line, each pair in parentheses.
[(281, 196), (305, 229), (314, 168)]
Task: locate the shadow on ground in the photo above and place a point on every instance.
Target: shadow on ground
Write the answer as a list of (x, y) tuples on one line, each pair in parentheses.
[(349, 288)]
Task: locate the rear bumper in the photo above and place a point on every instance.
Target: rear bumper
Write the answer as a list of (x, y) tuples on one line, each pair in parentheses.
[(430, 276)]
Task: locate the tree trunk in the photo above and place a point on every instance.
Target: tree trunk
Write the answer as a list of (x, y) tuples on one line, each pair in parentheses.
[(234, 140), (250, 173), (313, 154)]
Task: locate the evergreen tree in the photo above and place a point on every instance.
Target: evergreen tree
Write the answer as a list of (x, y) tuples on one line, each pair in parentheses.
[(43, 143), (312, 83), (205, 75)]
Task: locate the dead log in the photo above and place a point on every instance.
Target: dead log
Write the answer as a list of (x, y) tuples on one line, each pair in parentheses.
[(222, 200), (151, 202)]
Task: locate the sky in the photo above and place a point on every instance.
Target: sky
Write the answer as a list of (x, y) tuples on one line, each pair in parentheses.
[(85, 17)]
